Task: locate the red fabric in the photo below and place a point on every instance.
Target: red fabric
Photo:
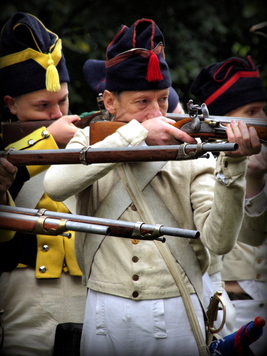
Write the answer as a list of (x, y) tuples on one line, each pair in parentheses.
[(153, 69), (229, 83)]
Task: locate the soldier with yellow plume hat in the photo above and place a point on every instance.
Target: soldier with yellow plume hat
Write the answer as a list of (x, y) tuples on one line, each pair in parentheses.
[(40, 280)]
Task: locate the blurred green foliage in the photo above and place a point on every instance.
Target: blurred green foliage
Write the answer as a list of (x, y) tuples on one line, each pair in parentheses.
[(196, 34)]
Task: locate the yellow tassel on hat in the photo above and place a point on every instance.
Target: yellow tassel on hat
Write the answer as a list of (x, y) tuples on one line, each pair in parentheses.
[(52, 78)]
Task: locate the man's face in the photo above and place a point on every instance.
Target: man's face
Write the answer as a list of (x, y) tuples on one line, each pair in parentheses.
[(138, 105), (253, 110), (40, 105)]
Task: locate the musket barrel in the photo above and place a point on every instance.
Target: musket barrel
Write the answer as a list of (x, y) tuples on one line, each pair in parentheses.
[(125, 228), (27, 223), (85, 227), (90, 155), (215, 147), (171, 231), (116, 227)]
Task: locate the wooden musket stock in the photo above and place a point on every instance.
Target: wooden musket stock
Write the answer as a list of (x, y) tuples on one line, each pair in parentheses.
[(14, 131), (196, 125), (89, 155), (212, 128)]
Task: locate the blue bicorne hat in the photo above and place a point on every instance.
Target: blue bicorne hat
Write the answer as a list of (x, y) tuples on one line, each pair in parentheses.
[(31, 56), (135, 59)]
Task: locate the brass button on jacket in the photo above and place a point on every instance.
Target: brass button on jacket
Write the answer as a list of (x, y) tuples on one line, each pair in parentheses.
[(135, 241)]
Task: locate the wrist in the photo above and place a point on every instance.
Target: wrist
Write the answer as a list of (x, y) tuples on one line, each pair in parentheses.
[(3, 198)]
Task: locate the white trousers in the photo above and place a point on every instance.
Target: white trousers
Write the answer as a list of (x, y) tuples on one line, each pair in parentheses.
[(124, 327), (33, 308)]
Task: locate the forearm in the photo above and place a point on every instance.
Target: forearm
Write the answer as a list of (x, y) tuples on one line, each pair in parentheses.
[(224, 221), (3, 198)]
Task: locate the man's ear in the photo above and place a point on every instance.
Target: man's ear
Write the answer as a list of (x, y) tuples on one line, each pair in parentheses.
[(10, 103), (109, 102)]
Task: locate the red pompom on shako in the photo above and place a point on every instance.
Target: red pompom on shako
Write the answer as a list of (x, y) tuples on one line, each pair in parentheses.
[(136, 60), (153, 68)]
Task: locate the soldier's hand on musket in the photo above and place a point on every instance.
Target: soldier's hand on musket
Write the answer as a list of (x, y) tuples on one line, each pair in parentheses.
[(246, 138), (160, 132), (63, 129), (7, 175)]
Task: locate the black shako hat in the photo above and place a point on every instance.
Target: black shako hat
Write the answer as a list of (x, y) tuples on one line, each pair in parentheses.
[(228, 85), (94, 72), (135, 59), (31, 56)]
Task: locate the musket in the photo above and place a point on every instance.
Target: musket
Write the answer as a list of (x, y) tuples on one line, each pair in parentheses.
[(55, 223), (14, 131), (89, 155), (197, 123), (47, 226)]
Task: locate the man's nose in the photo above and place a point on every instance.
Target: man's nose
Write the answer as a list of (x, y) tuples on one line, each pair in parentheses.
[(154, 110)]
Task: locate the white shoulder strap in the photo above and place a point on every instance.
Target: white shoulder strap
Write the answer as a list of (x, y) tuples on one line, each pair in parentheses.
[(146, 173)]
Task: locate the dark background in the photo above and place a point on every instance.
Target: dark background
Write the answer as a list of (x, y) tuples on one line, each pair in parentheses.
[(196, 34)]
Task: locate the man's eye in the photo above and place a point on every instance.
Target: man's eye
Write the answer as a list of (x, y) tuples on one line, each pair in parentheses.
[(164, 99)]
